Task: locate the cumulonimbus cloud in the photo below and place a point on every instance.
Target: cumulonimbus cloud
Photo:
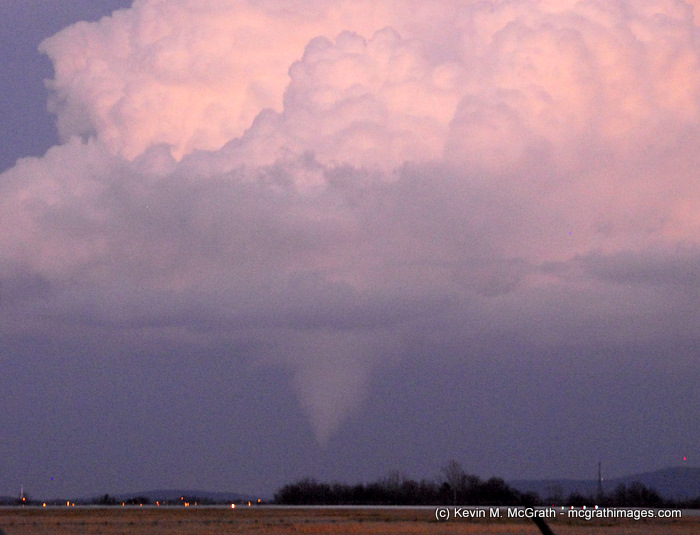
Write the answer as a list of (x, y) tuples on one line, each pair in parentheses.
[(339, 176)]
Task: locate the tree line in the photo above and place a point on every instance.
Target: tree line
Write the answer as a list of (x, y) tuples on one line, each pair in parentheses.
[(455, 486), (452, 487)]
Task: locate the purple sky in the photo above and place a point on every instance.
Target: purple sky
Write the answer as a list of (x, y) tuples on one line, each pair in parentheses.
[(257, 241)]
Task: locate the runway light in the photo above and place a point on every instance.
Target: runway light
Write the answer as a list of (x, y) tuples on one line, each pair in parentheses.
[(233, 506)]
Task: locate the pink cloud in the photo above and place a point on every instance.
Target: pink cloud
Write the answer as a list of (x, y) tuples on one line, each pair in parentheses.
[(303, 172)]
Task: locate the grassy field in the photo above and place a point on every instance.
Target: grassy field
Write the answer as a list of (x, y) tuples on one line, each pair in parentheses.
[(262, 521)]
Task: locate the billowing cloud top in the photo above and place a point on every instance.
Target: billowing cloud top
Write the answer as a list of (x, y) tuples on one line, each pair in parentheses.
[(329, 181)]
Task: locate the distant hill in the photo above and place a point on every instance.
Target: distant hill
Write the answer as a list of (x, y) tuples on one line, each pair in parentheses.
[(680, 483), (172, 495)]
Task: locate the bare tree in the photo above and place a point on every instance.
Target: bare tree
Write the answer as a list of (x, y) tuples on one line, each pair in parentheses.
[(455, 476)]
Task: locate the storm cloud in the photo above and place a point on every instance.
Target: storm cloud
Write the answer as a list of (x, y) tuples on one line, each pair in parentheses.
[(338, 189)]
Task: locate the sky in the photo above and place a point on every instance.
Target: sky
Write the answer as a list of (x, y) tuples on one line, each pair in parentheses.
[(247, 242)]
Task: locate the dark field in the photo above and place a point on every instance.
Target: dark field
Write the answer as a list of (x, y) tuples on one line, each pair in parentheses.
[(271, 520)]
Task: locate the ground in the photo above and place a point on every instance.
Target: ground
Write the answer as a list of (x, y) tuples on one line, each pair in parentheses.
[(283, 521)]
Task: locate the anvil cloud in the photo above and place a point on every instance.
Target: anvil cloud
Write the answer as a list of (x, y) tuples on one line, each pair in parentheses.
[(341, 189)]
